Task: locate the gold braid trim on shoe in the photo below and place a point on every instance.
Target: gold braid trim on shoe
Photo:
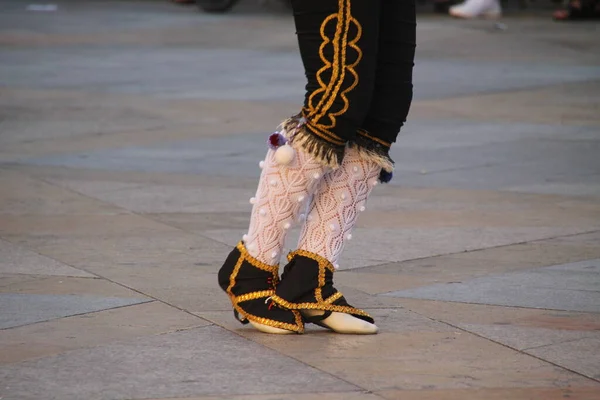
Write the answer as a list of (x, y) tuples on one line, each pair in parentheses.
[(320, 303), (236, 300)]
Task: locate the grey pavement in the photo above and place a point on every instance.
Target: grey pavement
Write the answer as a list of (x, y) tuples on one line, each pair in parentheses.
[(130, 136)]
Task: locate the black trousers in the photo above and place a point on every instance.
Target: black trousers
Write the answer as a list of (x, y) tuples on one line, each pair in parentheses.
[(358, 57)]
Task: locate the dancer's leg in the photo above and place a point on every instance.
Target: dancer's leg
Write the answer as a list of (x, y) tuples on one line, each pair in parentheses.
[(393, 90), (338, 41), (333, 213), (343, 192), (338, 45), (283, 191), (353, 30)]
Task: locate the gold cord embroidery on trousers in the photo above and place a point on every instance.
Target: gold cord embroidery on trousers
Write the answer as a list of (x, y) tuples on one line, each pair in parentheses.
[(366, 134), (320, 117)]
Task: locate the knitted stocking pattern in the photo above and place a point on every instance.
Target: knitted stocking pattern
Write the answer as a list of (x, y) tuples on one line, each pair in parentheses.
[(341, 196), (283, 192)]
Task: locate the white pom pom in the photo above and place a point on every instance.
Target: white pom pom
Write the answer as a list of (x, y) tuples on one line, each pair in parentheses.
[(300, 199), (284, 154), (261, 164), (287, 226), (336, 266), (252, 200), (362, 208), (349, 236), (245, 238)]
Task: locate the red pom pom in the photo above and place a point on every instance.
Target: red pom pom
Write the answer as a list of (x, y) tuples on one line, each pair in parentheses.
[(276, 140)]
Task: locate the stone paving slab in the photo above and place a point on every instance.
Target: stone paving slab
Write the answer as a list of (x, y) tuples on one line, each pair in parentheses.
[(206, 360), (463, 314), (388, 277), (571, 287), (123, 254), (24, 195), (295, 396), (549, 393), (89, 330), (285, 82), (90, 226), (178, 268), (574, 355), (61, 285), (523, 329), (526, 338), (412, 352), (23, 309), (492, 160), (17, 260), (416, 242), (567, 249), (11, 279), (165, 198), (573, 104)]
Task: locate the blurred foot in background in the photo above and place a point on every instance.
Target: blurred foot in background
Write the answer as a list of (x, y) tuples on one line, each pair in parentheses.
[(578, 10), (477, 9)]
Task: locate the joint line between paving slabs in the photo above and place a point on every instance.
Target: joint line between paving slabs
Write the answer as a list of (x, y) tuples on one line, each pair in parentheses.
[(521, 89), (141, 215), (27, 248), (270, 394), (342, 379), (97, 276), (362, 390), (479, 304), (559, 342), (147, 216), (473, 251), (77, 315), (504, 345)]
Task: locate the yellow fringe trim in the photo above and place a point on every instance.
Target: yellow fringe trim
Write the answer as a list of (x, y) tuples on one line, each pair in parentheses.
[(384, 162), (326, 150)]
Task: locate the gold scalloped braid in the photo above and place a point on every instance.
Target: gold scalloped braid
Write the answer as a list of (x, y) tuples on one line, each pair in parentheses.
[(315, 134), (367, 152), (339, 68), (321, 304), (235, 300)]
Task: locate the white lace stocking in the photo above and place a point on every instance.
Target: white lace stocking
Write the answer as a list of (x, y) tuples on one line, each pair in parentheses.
[(341, 196), (283, 191)]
